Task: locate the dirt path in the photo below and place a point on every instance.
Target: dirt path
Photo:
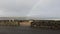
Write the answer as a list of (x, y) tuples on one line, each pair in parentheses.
[(25, 24)]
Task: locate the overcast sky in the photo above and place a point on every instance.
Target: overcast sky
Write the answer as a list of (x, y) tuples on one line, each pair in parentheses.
[(39, 8)]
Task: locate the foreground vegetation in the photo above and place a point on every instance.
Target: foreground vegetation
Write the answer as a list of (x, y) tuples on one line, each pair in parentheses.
[(50, 24), (9, 24)]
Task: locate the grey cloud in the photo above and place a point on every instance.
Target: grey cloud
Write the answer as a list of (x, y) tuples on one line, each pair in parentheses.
[(15, 7), (48, 9), (39, 8)]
